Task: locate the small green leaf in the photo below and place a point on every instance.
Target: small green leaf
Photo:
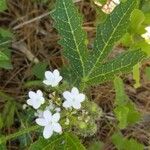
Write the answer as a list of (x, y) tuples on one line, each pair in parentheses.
[(121, 97), (8, 113), (133, 115), (3, 57), (67, 141), (127, 40), (118, 141), (6, 65), (5, 33), (148, 73), (96, 146), (132, 144), (123, 143), (136, 75), (144, 46), (1, 121), (39, 69), (3, 5), (121, 113), (137, 18)]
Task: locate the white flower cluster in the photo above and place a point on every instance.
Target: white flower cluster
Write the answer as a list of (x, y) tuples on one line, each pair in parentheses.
[(146, 35), (50, 121)]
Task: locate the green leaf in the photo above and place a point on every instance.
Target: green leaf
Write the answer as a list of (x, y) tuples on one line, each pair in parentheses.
[(144, 46), (96, 146), (127, 40), (121, 113), (133, 115), (6, 65), (137, 18), (3, 146), (1, 121), (8, 113), (3, 57), (121, 64), (69, 25), (121, 97), (132, 144), (118, 141), (136, 75), (123, 143), (109, 33), (5, 33), (39, 69), (3, 5), (67, 141), (5, 53), (126, 115)]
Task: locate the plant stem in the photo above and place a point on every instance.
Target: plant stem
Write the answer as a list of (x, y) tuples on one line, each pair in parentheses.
[(19, 133)]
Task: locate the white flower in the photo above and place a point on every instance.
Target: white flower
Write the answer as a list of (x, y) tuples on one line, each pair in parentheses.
[(52, 78), (50, 123), (73, 98), (36, 99), (146, 35)]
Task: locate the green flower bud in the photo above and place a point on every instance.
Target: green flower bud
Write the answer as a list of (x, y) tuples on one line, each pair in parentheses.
[(86, 129)]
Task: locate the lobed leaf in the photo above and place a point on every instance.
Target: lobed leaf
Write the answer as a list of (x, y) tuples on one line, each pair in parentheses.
[(66, 141), (69, 25), (121, 64), (109, 33)]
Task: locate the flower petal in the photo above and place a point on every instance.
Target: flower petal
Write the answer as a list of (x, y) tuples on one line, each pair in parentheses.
[(57, 127), (147, 29), (74, 91), (67, 104), (47, 132), (47, 115), (47, 82), (76, 105), (56, 73), (49, 75), (58, 79), (36, 104), (56, 117), (29, 102), (80, 97), (32, 95), (67, 95), (42, 100), (41, 121), (39, 93)]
